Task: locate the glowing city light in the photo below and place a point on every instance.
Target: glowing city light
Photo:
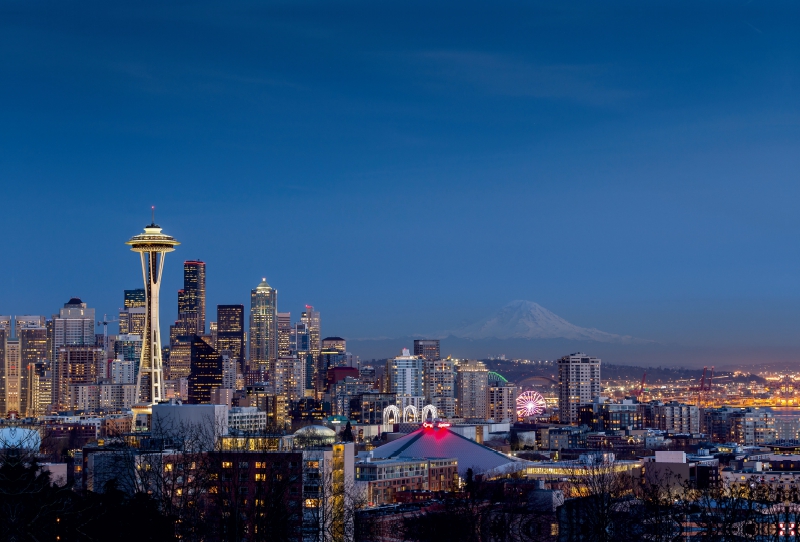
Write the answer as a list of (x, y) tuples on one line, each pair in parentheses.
[(530, 403)]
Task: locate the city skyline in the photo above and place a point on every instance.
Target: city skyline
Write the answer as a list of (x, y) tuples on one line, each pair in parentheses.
[(660, 163)]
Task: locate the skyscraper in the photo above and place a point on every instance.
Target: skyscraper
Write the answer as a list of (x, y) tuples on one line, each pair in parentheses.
[(440, 386), (405, 374), (427, 349), (263, 324), (472, 382), (335, 344), (192, 299), (74, 325), (152, 245), (74, 365), (578, 384), (5, 335), (230, 331), (503, 402), (206, 371), (32, 335), (311, 319), (12, 373), (132, 316), (284, 334)]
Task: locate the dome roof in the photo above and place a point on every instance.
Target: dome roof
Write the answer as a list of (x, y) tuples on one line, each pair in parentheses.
[(315, 431), (74, 301)]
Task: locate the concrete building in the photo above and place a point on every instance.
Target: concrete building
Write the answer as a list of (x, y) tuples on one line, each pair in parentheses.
[(578, 384), (439, 384), (247, 420), (74, 325), (405, 377), (379, 480), (502, 402), (677, 418), (472, 382), (288, 378)]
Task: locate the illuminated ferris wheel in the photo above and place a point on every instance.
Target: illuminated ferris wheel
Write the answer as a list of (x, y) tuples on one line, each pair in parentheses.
[(530, 403)]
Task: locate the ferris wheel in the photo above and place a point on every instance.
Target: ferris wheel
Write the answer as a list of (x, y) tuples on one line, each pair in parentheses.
[(530, 403)]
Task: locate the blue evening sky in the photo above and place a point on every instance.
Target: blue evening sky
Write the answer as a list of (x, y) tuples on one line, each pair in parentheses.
[(409, 166)]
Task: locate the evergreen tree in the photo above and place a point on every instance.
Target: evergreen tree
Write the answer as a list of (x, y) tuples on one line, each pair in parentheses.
[(347, 434)]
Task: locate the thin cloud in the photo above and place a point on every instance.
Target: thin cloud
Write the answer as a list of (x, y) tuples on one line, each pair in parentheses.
[(507, 76)]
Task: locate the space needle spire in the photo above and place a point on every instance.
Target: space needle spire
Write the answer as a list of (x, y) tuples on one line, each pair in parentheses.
[(152, 245)]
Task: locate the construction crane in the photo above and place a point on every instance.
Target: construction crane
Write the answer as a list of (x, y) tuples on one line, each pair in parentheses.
[(699, 389), (638, 393), (105, 323)]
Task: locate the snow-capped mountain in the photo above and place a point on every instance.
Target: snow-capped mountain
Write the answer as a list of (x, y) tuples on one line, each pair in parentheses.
[(528, 320)]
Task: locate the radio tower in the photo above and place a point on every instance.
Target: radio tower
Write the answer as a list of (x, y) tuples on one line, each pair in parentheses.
[(150, 378)]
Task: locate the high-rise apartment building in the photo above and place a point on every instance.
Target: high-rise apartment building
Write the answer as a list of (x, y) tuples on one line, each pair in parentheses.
[(311, 319), (74, 325), (263, 324), (192, 299), (439, 384), (230, 331), (284, 334), (405, 375), (427, 349), (502, 402), (578, 384), (288, 376), (472, 383), (206, 371)]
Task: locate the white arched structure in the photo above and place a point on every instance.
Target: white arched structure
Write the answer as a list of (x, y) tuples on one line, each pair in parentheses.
[(410, 414), (391, 412), (428, 410)]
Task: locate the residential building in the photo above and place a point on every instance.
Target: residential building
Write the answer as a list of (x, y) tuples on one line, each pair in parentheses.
[(472, 383), (368, 407), (578, 383), (288, 378), (439, 385), (677, 418), (405, 375), (502, 402), (380, 479)]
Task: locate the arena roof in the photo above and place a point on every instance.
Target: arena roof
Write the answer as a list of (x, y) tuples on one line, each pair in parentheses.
[(440, 442)]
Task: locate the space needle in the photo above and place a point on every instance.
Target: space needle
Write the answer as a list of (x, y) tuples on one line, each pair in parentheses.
[(153, 246)]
